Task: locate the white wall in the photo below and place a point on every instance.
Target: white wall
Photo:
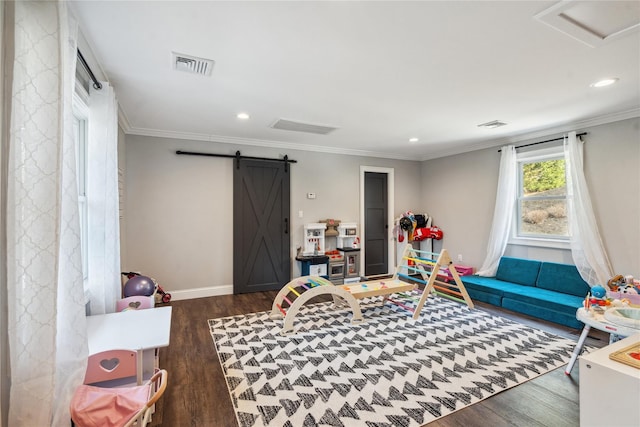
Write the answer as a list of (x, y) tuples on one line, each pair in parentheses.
[(179, 209), (460, 191)]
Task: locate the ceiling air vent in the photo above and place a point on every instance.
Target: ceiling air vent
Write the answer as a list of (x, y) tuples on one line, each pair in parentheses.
[(594, 23), (284, 124), (492, 125), (192, 64)]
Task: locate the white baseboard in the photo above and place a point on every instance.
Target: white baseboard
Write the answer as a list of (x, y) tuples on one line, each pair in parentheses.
[(201, 292)]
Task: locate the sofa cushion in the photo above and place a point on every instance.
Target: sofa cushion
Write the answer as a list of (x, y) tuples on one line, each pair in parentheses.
[(545, 314), (517, 270), (563, 278), (545, 299), (484, 296), (486, 284)]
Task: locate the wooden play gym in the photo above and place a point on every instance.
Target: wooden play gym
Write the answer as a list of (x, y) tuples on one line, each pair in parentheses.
[(433, 270)]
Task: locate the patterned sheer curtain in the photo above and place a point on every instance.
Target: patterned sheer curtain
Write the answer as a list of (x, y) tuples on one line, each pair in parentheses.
[(587, 250), (46, 313), (102, 188), (503, 212)]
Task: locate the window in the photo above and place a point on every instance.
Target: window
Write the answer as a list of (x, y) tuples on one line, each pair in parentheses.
[(81, 140), (541, 205)]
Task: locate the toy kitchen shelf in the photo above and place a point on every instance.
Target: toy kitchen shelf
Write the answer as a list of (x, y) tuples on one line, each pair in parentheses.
[(347, 243), (347, 235), (314, 239)]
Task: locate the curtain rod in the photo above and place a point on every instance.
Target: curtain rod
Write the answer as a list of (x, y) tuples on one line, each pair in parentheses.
[(542, 142), (96, 83), (238, 157)]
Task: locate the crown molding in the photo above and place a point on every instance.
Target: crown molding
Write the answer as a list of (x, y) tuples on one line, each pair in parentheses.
[(264, 143), (540, 133), (579, 125), (123, 120), (525, 136)]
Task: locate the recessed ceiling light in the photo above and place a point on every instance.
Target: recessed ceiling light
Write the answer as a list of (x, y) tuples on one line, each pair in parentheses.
[(413, 140), (605, 82), (243, 116)]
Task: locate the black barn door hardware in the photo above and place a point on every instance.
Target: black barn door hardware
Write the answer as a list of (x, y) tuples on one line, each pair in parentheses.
[(239, 157)]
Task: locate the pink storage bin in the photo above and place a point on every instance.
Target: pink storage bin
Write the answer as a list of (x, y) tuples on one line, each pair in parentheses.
[(633, 298), (461, 269), (464, 270)]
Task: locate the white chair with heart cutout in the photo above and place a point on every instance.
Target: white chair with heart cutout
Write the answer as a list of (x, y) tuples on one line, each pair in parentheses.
[(136, 302), (103, 400), (140, 302)]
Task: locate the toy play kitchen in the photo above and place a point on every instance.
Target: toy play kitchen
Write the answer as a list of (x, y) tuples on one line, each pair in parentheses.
[(331, 249)]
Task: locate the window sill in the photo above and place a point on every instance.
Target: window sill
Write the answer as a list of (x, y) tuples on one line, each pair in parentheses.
[(540, 242)]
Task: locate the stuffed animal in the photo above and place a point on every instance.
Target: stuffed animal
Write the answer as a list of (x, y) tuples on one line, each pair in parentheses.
[(628, 289)]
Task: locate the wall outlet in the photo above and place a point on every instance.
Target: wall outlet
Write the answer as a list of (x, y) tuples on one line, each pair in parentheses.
[(459, 257), (300, 214), (311, 195)]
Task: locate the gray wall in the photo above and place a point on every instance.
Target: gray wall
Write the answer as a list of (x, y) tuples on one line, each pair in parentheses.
[(460, 191), (178, 219), (179, 209)]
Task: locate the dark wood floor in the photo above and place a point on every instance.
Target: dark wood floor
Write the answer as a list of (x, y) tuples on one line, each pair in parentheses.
[(197, 394)]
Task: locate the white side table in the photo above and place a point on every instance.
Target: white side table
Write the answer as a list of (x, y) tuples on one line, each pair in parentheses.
[(130, 330), (609, 390)]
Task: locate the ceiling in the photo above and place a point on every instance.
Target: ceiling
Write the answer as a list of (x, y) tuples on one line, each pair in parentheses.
[(381, 72)]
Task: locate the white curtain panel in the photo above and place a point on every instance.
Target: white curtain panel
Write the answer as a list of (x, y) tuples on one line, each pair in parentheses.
[(102, 190), (503, 212), (46, 313), (587, 250)]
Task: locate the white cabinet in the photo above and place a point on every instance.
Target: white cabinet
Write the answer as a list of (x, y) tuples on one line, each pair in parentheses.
[(609, 390)]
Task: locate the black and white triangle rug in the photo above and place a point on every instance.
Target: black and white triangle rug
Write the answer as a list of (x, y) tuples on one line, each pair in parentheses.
[(390, 370)]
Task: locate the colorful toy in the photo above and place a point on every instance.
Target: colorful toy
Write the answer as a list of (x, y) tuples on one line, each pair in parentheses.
[(615, 282), (427, 233), (598, 291), (141, 285), (299, 291), (431, 266), (596, 298), (628, 289)]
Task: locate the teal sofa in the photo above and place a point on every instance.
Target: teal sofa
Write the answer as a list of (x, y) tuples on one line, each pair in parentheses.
[(545, 290)]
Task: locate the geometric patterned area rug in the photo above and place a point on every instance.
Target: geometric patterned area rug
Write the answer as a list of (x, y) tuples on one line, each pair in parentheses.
[(388, 371)]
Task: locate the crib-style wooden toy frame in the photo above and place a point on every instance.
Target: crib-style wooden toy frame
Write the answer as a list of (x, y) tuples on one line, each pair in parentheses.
[(431, 267)]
